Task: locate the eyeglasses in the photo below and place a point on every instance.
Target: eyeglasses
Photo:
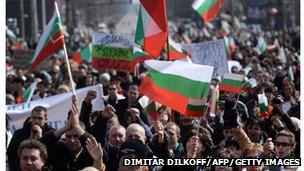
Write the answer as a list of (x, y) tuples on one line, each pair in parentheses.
[(111, 88), (283, 144)]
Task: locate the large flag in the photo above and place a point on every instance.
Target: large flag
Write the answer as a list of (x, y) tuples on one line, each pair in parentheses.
[(263, 105), (231, 83), (176, 51), (207, 9), (180, 85), (51, 40), (151, 30)]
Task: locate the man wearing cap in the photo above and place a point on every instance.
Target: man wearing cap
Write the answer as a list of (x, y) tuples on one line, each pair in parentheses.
[(132, 148)]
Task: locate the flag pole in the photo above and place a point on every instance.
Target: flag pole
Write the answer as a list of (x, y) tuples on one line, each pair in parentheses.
[(168, 53), (69, 69)]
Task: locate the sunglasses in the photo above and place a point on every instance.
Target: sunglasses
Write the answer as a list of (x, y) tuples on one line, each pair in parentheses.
[(111, 88), (283, 144)]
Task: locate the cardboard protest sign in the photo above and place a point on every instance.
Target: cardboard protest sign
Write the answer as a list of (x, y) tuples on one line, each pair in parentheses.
[(211, 53), (114, 52)]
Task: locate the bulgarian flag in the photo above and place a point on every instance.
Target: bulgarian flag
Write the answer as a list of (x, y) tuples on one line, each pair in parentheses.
[(263, 105), (262, 46), (11, 35), (28, 93), (51, 40), (85, 53), (231, 83), (230, 45), (176, 51), (207, 9), (290, 74), (151, 30), (249, 84), (179, 85), (149, 106)]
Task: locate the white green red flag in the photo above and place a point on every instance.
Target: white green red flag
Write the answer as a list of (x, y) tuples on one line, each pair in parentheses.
[(84, 53), (151, 30), (11, 35), (290, 74), (51, 40), (231, 83), (207, 9), (263, 104), (261, 46), (149, 106), (28, 93), (176, 51), (180, 85), (230, 45), (251, 83)]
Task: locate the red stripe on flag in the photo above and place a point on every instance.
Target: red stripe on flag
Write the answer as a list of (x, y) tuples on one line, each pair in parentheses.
[(177, 55), (173, 100), (154, 44), (76, 57), (157, 10), (213, 11), (229, 88), (50, 48)]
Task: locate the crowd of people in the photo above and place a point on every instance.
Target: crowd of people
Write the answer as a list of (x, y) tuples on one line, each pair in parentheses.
[(100, 140)]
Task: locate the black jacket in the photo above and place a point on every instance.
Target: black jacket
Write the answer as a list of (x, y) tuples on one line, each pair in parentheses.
[(122, 106), (19, 136)]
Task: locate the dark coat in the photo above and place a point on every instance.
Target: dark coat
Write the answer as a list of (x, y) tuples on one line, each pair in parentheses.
[(19, 136)]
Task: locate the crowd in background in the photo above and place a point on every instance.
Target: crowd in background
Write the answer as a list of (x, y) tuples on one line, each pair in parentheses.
[(125, 129)]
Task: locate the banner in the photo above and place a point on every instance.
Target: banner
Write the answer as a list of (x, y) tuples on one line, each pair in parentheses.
[(114, 52), (211, 53), (57, 106)]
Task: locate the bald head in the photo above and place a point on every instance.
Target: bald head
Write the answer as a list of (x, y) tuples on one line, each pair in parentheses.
[(117, 135), (136, 131)]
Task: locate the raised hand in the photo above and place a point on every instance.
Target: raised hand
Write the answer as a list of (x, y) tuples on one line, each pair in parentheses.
[(36, 132), (159, 129), (91, 94), (134, 113), (268, 147), (108, 112), (95, 151), (94, 148)]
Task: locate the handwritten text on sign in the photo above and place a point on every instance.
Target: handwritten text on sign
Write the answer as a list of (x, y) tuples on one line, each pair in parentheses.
[(211, 53)]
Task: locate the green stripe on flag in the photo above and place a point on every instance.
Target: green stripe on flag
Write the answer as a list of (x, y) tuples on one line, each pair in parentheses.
[(140, 34), (196, 108), (182, 85), (231, 82), (55, 29), (263, 107), (204, 7), (110, 52)]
